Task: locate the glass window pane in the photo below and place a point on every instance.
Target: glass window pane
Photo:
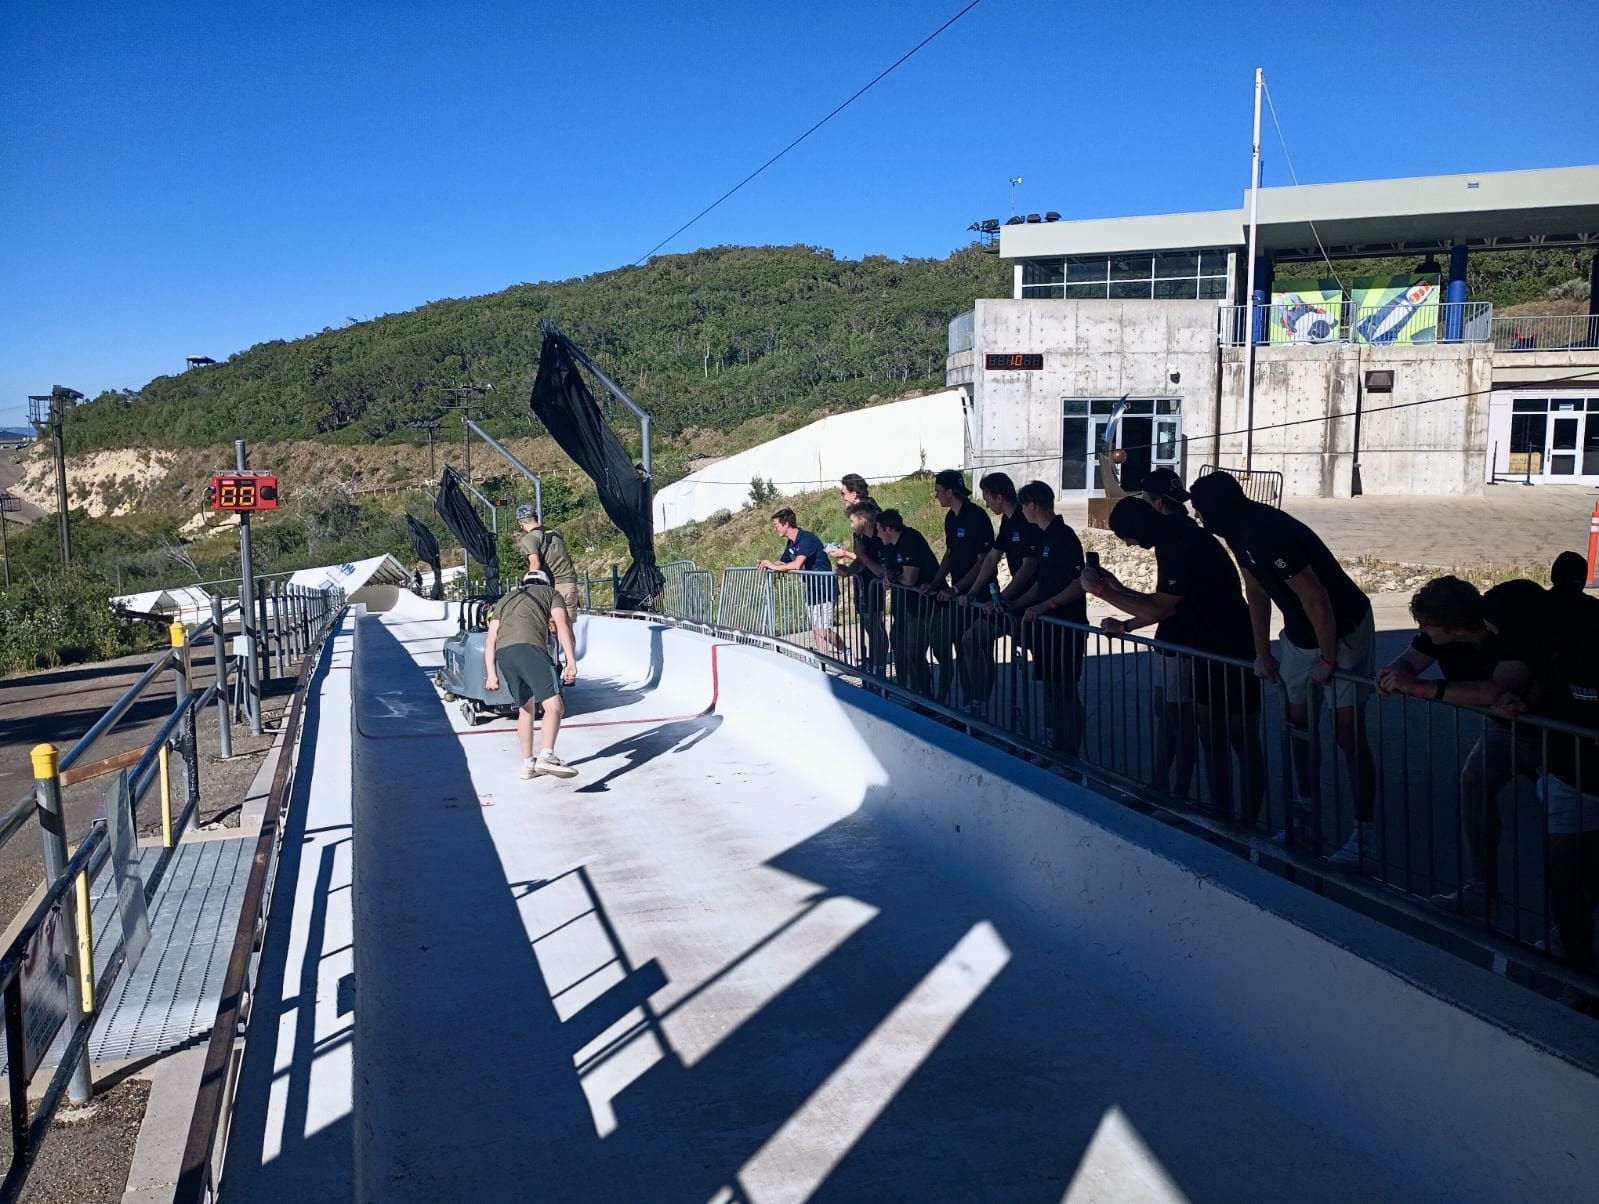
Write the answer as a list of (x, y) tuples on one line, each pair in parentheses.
[(1074, 454), (1563, 466), (1212, 288), (1177, 290), (1081, 269), (1168, 405), (1565, 434), (1566, 403), (1590, 447), (1043, 271), (1129, 289), (1081, 292), (1076, 407), (1593, 404), (1529, 405), (1177, 263), (1213, 263), (1047, 292), (1103, 405), (1130, 267)]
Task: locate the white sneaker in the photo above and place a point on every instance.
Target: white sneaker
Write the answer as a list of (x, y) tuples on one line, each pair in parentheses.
[(1361, 845), (1471, 899), (552, 766), (527, 768)]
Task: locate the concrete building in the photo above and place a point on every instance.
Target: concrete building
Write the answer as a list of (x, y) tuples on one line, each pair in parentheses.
[(1379, 385)]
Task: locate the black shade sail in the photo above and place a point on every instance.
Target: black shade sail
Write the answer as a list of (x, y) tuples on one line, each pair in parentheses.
[(456, 509), (562, 402), (426, 546)]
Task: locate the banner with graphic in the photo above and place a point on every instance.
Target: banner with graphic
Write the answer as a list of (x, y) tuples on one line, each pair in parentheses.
[(1400, 310), (1305, 311)]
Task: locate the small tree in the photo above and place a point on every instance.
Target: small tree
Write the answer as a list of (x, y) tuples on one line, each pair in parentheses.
[(762, 492)]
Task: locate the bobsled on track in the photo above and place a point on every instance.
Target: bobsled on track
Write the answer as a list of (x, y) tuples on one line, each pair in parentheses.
[(463, 675)]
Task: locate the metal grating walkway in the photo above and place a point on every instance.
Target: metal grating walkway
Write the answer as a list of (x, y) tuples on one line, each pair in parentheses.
[(171, 995)]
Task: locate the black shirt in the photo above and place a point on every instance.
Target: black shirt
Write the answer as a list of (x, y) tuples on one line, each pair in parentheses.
[(1017, 540), (1272, 547), (1060, 562), (1517, 610), (1211, 614), (1570, 693), (967, 538), (911, 551), (871, 546)]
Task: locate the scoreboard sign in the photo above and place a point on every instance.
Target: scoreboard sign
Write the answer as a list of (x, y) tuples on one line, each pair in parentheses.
[(1025, 361), (244, 492)]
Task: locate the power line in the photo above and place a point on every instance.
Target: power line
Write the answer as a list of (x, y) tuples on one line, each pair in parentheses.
[(1365, 412), (862, 92)]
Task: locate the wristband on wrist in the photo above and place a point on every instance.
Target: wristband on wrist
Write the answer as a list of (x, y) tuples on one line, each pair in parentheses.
[(1322, 660), (1418, 689), (1050, 605)]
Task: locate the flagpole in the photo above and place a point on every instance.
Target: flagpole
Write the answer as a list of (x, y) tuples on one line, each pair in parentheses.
[(1249, 300)]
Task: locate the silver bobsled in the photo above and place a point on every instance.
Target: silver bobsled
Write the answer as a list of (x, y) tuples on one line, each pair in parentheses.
[(462, 677)]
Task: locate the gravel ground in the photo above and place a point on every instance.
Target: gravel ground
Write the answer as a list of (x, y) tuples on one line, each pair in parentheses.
[(86, 1161)]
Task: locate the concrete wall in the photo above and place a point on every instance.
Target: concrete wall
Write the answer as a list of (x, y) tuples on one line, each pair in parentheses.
[(1404, 446), (882, 443), (1090, 349), (1442, 1071)]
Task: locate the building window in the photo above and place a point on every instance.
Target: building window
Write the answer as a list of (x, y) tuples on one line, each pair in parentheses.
[(1163, 275)]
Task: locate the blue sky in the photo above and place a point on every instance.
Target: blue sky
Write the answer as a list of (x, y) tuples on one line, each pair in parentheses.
[(180, 178)]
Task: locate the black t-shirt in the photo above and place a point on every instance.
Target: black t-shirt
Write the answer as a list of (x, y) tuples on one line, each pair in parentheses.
[(967, 538), (1272, 547), (911, 551), (1519, 611), (1212, 615), (1570, 693), (1060, 562), (1017, 540)]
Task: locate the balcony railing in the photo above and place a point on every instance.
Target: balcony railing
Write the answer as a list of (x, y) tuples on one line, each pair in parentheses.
[(1310, 322), (1546, 332)]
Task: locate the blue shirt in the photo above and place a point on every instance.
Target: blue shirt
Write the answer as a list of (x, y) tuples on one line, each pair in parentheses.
[(806, 544)]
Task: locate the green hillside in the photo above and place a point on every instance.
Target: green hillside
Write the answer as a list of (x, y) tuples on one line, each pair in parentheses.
[(705, 339)]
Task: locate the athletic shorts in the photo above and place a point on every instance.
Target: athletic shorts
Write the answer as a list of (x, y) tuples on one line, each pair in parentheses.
[(1570, 813), (1174, 676), (568, 592), (1357, 654), (821, 614), (528, 672)]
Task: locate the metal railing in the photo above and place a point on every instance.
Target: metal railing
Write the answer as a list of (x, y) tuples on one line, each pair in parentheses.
[(1550, 332), (70, 996), (1395, 814), (1259, 485), (1310, 322)]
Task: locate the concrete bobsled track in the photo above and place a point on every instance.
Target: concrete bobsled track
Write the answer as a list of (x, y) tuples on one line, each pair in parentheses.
[(783, 940)]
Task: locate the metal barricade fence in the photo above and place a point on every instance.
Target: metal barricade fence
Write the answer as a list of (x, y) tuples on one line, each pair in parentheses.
[(1413, 796), (699, 602), (1259, 485)]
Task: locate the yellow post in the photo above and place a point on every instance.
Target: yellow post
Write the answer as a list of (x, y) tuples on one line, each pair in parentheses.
[(178, 633), (45, 761), (166, 796), (85, 942)]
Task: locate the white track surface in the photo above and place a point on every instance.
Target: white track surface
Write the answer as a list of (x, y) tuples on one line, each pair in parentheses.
[(784, 941)]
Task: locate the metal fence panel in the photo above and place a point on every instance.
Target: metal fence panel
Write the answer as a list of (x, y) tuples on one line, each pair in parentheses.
[(1259, 485)]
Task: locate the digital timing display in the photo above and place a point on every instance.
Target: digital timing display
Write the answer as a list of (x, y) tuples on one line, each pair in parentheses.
[(1026, 361), (240, 492)]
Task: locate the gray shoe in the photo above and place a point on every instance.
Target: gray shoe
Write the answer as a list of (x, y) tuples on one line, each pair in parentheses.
[(551, 766), (1471, 899), (1361, 846)]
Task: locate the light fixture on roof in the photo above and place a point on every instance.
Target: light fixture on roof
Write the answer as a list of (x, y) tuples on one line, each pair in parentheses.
[(1052, 216), (1015, 221)]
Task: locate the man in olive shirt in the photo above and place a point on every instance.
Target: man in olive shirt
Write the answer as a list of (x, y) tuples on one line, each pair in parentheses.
[(552, 554), (518, 647)]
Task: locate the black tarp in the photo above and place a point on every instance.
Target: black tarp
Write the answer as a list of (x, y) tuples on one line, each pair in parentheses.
[(459, 515), (562, 402), (426, 546)]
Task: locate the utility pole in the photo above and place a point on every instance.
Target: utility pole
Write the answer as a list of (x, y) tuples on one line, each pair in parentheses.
[(9, 504), (247, 616), (429, 426), (463, 402), (1249, 286), (49, 410)]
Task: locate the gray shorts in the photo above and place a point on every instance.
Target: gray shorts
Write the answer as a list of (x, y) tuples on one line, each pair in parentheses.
[(821, 614), (528, 672), (1357, 654), (1570, 812)]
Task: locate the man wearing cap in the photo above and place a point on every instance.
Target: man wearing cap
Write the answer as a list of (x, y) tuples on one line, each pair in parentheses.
[(550, 549), (1163, 489), (517, 647)]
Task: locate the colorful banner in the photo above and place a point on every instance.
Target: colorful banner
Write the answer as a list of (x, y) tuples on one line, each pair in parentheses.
[(1392, 310), (1305, 311)]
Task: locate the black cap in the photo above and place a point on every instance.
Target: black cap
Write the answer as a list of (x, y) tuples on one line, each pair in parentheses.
[(1163, 482)]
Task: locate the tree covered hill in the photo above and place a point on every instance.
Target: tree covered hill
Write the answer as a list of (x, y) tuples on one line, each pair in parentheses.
[(709, 338)]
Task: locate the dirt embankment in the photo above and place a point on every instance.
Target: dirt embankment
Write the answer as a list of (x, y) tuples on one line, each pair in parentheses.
[(101, 483)]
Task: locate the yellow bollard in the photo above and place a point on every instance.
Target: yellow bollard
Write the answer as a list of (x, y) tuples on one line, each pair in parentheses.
[(45, 761), (178, 633), (85, 942), (166, 796)]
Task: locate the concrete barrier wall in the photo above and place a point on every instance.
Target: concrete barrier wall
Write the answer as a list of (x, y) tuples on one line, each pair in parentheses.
[(882, 443), (1436, 1067)]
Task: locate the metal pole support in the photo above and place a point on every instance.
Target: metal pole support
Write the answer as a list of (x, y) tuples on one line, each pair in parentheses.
[(53, 832), (219, 650), (247, 608)]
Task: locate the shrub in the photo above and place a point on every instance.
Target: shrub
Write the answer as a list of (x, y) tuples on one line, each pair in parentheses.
[(62, 618)]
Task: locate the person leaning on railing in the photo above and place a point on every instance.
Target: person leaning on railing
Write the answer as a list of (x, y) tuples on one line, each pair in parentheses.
[(968, 534), (1198, 604), (803, 553), (1057, 590), (911, 567), (1017, 544), (1486, 646), (863, 563)]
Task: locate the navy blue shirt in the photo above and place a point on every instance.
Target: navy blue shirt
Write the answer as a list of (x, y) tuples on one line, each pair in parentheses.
[(806, 544)]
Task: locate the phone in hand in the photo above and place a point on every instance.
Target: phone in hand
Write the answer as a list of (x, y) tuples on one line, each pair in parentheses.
[(1092, 560)]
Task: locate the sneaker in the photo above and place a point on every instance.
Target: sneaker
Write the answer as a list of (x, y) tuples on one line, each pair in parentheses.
[(528, 770), (552, 766), (1471, 899), (1361, 845), (1299, 820), (974, 709)]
